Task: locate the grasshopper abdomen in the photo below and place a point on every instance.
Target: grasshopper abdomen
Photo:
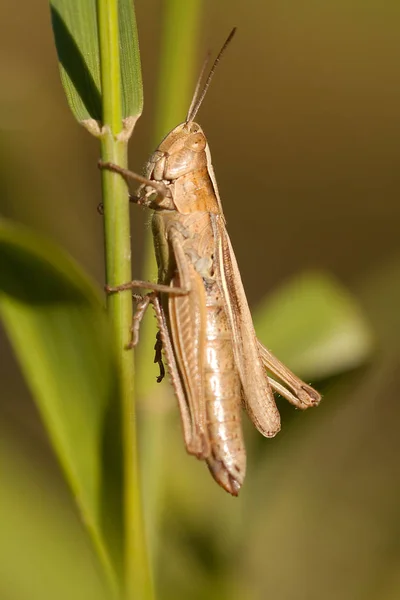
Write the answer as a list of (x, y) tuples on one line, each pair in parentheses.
[(223, 391)]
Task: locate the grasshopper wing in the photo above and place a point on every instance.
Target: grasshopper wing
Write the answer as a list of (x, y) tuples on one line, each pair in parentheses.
[(187, 319), (258, 395)]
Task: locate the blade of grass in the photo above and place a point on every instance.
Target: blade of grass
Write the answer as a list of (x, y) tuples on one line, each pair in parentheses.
[(138, 583), (77, 42), (56, 323)]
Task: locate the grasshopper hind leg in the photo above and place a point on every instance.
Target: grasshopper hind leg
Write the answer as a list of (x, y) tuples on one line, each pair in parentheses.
[(194, 440)]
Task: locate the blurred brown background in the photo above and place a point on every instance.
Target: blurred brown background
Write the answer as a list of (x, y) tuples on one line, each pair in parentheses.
[(304, 126)]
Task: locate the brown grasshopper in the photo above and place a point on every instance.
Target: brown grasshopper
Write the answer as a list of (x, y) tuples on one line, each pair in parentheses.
[(215, 361)]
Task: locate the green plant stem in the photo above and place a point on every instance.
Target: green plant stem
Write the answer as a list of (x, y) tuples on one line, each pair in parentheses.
[(137, 578), (179, 63)]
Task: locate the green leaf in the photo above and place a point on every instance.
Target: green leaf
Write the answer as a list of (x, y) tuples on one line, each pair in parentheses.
[(314, 325), (41, 537), (60, 334), (76, 36)]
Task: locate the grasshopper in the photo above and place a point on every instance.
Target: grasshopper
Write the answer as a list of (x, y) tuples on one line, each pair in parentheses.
[(215, 361)]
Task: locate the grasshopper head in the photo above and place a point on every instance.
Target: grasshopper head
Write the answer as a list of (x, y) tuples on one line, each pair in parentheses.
[(184, 149), (181, 152)]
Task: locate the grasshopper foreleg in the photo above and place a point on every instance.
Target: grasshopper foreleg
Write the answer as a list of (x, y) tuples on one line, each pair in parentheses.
[(132, 198), (158, 186)]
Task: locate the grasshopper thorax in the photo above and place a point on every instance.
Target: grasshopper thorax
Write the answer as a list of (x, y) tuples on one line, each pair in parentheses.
[(181, 152)]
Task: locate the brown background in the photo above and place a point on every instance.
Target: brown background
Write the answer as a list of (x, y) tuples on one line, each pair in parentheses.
[(303, 122)]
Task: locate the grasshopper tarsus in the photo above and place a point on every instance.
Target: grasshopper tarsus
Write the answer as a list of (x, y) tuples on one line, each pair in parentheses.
[(315, 397), (108, 166), (161, 376), (115, 289), (158, 357)]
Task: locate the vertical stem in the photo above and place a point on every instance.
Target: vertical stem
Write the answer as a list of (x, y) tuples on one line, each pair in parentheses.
[(137, 576), (179, 63)]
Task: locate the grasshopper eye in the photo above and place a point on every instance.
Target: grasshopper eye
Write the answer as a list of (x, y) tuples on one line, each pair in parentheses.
[(196, 142)]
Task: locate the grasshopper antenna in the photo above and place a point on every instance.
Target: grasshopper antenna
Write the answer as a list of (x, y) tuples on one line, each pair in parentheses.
[(197, 88), (198, 96)]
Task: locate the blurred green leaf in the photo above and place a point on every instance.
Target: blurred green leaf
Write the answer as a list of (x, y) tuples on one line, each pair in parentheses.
[(315, 326), (329, 497), (76, 37), (58, 328), (44, 553)]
